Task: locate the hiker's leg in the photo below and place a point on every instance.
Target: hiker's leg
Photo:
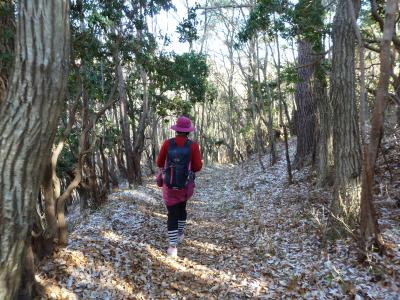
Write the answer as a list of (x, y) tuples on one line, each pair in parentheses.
[(173, 213), (182, 218)]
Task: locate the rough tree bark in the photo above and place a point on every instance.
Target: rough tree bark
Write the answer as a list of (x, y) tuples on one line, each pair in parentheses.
[(7, 29), (130, 168), (305, 103), (105, 173), (85, 120), (324, 109), (368, 219), (91, 177), (346, 143), (139, 136), (114, 170), (155, 148), (28, 121)]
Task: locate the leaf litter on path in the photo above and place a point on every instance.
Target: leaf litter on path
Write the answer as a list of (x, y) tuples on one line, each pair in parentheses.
[(249, 236)]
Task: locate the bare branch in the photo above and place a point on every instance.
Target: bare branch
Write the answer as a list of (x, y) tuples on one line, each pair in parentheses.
[(379, 19), (110, 102), (395, 98), (372, 48)]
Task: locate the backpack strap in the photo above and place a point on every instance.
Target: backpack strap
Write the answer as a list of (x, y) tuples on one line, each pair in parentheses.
[(172, 144), (188, 144)]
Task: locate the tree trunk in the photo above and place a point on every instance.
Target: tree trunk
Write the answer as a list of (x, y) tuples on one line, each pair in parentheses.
[(113, 170), (324, 108), (121, 163), (27, 287), (85, 123), (51, 185), (104, 170), (305, 124), (231, 74), (281, 103), (50, 232), (271, 131), (60, 203), (346, 143), (155, 148), (94, 190), (84, 149), (369, 223), (130, 170), (7, 28), (270, 104), (51, 188), (252, 103), (138, 147), (28, 121)]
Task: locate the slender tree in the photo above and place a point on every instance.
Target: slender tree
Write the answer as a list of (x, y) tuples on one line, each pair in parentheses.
[(368, 220), (125, 119)]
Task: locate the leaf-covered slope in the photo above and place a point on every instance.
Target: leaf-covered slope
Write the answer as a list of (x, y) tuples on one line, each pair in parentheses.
[(249, 235)]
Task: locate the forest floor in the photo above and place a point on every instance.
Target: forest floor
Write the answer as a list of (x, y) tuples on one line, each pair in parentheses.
[(249, 236)]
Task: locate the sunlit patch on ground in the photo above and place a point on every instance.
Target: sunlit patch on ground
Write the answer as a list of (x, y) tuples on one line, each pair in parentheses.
[(110, 235)]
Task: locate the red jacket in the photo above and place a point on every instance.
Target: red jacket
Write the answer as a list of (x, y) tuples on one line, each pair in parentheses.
[(171, 196), (196, 163)]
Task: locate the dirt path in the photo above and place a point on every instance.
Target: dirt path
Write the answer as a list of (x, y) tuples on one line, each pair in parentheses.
[(248, 236)]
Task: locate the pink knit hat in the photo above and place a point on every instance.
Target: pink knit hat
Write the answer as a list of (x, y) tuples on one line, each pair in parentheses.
[(183, 124)]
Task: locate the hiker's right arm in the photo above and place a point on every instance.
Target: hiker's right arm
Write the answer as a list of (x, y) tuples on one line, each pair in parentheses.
[(162, 156)]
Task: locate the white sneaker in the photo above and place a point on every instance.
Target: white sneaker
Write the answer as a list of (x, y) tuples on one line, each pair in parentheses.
[(172, 251), (180, 238)]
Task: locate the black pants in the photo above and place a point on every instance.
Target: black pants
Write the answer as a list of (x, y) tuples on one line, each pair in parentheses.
[(176, 212)]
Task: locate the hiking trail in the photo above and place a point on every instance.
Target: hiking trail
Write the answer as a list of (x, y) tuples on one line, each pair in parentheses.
[(249, 235)]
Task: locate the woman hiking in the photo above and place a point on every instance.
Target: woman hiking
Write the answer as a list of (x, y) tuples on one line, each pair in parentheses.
[(179, 159)]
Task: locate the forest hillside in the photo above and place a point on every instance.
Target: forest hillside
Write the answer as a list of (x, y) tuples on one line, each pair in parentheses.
[(225, 149)]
